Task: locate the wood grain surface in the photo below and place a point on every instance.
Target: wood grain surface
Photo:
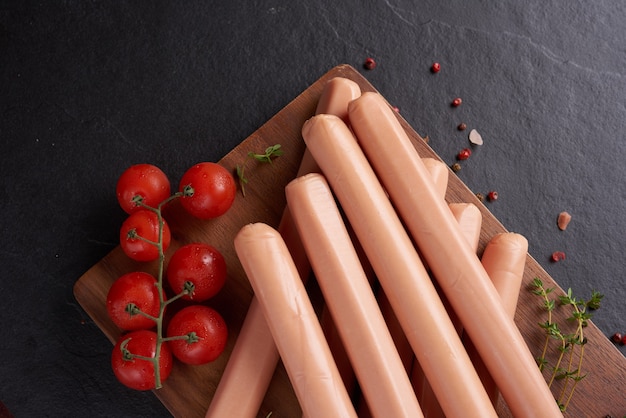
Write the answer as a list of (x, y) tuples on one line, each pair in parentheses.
[(188, 391)]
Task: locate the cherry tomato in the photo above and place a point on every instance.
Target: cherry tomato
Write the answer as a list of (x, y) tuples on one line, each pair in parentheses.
[(139, 290), (138, 373), (212, 190), (140, 226), (144, 180), (200, 264), (207, 330)]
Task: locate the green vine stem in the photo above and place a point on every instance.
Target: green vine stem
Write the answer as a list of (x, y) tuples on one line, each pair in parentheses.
[(134, 310)]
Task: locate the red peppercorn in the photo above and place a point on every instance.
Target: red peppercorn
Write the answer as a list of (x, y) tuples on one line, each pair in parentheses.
[(462, 127), (558, 256), (617, 337), (435, 68), (464, 154), (369, 64), (492, 195), (623, 340), (457, 102)]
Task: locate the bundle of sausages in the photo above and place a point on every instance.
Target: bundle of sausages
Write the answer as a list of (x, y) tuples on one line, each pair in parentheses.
[(362, 186)]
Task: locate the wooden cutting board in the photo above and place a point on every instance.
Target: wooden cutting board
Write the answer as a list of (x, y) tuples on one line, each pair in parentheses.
[(188, 391)]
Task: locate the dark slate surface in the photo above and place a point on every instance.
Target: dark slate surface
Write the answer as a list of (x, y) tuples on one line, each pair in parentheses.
[(90, 87)]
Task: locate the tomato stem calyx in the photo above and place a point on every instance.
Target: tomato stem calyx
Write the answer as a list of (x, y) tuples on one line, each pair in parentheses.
[(188, 191)]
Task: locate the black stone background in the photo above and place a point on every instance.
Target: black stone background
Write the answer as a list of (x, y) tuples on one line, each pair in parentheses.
[(88, 88)]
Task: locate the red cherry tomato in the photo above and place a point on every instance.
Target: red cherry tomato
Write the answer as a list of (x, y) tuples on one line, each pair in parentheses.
[(212, 190), (210, 334), (144, 180), (140, 226), (200, 264), (136, 289), (138, 373)]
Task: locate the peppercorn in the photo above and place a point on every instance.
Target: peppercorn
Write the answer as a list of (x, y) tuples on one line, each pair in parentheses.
[(456, 167), (623, 340), (480, 196), (435, 68), (558, 256), (369, 64), (617, 337), (462, 127), (457, 102), (492, 195), (464, 154)]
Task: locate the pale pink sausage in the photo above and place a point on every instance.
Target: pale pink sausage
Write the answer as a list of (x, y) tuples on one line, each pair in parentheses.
[(504, 260), (469, 220), (350, 299), (455, 266), (439, 172), (399, 269), (231, 398), (337, 93), (292, 322)]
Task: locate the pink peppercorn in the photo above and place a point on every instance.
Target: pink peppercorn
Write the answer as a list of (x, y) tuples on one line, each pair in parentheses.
[(457, 102), (558, 256), (492, 195), (436, 67), (369, 64), (464, 154)]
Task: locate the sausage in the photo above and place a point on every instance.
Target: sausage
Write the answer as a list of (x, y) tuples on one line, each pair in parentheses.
[(455, 266), (469, 220), (292, 322), (337, 93), (350, 299), (232, 398), (504, 259), (439, 172), (403, 277)]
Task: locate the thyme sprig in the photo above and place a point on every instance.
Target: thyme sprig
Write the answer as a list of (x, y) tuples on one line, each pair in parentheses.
[(267, 156), (570, 346)]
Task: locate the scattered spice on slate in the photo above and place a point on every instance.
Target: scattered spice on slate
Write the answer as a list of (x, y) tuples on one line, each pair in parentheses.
[(464, 154), (457, 102), (480, 196), (436, 67), (492, 195), (462, 127), (617, 337), (563, 220), (558, 256), (475, 138), (456, 167), (369, 64)]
